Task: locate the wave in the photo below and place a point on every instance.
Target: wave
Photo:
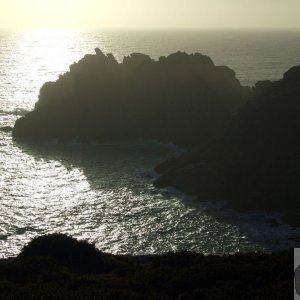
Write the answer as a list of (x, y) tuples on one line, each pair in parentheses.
[(15, 112)]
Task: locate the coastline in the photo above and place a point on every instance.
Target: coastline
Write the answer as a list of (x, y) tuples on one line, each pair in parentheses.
[(236, 250)]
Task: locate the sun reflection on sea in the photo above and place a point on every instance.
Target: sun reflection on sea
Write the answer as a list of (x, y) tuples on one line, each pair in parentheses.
[(50, 45), (99, 192), (40, 55)]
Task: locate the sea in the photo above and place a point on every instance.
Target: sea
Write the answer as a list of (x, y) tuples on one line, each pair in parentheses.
[(103, 193)]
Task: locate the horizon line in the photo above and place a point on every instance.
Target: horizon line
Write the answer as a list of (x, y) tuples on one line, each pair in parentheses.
[(103, 28)]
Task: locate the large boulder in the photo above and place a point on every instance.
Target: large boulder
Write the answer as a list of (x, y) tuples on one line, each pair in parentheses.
[(181, 98)]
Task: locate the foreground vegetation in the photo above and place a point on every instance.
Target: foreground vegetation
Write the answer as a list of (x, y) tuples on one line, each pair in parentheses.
[(60, 267)]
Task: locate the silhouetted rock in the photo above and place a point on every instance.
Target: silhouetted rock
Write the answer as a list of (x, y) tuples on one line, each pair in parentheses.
[(180, 98), (256, 163), (136, 59), (99, 52)]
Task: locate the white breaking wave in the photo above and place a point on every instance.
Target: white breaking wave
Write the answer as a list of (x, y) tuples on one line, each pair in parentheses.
[(15, 112)]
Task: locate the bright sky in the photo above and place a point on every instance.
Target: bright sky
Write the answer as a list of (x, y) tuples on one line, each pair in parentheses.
[(150, 13)]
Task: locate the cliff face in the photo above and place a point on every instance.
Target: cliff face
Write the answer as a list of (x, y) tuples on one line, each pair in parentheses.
[(256, 163), (180, 98)]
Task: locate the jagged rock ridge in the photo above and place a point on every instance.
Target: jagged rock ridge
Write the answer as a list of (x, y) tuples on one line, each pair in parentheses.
[(180, 98)]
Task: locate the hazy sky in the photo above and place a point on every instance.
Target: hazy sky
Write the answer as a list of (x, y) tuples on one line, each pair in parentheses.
[(150, 13)]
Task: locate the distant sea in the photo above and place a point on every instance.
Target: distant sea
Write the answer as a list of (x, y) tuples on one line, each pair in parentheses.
[(103, 192)]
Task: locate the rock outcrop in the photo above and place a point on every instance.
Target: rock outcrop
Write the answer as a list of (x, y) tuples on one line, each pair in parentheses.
[(181, 98), (256, 163)]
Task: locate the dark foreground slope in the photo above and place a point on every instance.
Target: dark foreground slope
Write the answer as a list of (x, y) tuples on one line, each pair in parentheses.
[(256, 164), (180, 98), (59, 267)]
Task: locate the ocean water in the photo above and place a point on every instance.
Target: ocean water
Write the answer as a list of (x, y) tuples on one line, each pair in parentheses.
[(103, 193)]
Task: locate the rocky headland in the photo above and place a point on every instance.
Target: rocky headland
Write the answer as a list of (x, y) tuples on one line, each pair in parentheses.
[(255, 164), (182, 98)]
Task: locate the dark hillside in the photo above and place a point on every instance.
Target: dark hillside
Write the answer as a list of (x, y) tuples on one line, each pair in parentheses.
[(59, 267)]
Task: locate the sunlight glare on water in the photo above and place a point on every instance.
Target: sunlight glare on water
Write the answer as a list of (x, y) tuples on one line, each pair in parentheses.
[(103, 192)]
